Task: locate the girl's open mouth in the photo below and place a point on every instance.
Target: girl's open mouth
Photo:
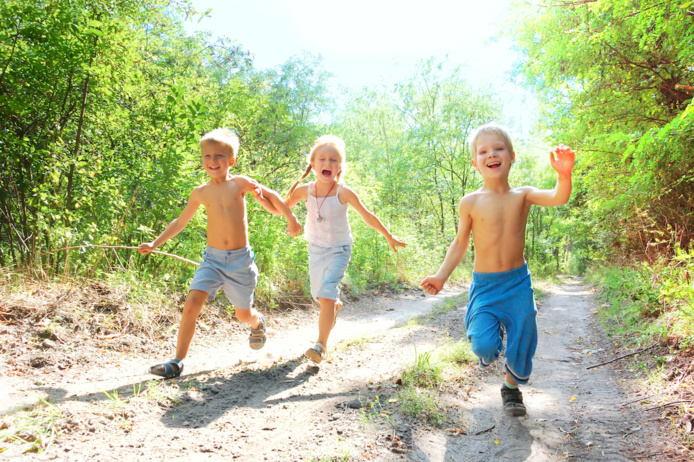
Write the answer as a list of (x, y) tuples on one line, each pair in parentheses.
[(326, 172)]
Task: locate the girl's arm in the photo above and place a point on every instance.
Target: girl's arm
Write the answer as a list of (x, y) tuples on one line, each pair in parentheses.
[(299, 194), (562, 160), (369, 218), (175, 226), (456, 252)]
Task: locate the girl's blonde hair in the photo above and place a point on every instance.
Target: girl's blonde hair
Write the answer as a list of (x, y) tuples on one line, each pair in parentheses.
[(223, 136), (490, 128), (324, 140)]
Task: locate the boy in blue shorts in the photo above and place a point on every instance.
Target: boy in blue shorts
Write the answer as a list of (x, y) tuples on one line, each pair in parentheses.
[(228, 261), (501, 292)]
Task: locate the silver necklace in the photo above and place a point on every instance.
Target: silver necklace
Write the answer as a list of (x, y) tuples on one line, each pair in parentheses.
[(320, 218)]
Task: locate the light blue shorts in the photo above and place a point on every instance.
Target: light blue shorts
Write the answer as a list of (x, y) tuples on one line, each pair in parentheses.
[(233, 270), (506, 299), (326, 268)]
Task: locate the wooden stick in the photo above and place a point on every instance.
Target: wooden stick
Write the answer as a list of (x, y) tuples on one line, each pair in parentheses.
[(669, 404), (485, 431), (190, 262), (622, 357), (684, 87)]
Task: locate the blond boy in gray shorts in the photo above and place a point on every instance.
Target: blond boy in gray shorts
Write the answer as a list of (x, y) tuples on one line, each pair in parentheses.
[(228, 261)]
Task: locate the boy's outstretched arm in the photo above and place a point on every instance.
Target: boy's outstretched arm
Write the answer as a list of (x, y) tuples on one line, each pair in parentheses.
[(257, 193), (562, 160), (456, 252), (371, 219), (175, 226), (293, 225)]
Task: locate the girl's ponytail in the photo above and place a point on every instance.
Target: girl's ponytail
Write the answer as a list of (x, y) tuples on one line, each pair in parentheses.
[(291, 190)]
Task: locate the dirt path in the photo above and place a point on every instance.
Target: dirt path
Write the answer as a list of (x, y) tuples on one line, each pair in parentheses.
[(237, 404)]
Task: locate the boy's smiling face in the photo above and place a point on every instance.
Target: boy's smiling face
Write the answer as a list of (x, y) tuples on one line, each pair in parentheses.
[(216, 159), (493, 156), (326, 162)]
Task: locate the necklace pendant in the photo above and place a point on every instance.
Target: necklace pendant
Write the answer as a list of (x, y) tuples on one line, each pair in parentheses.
[(319, 219)]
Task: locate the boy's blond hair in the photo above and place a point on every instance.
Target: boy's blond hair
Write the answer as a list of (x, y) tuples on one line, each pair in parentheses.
[(222, 136), (486, 129)]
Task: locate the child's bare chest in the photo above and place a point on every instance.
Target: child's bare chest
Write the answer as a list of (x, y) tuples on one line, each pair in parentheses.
[(499, 211), (225, 199)]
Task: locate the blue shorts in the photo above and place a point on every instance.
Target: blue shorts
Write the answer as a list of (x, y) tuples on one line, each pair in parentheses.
[(326, 268), (506, 299), (233, 270)]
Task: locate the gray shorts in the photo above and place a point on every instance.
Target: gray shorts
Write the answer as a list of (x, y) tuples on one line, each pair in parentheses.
[(233, 270), (326, 268)]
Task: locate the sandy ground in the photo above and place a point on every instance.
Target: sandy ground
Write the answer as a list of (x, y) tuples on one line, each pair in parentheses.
[(233, 403)]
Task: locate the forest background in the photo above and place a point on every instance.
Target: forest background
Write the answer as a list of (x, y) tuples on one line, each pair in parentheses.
[(102, 104)]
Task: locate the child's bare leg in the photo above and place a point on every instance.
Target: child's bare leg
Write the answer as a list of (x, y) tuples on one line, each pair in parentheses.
[(249, 315), (326, 319), (191, 310), (510, 380)]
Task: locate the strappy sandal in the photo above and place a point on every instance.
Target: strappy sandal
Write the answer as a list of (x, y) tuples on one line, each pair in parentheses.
[(513, 402), (338, 307), (316, 353), (169, 370), (257, 338)]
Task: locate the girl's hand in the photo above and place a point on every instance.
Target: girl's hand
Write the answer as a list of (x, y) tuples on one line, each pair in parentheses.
[(432, 285), (145, 248), (562, 159), (394, 243)]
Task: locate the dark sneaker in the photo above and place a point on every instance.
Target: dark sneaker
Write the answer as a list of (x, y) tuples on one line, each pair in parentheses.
[(513, 402)]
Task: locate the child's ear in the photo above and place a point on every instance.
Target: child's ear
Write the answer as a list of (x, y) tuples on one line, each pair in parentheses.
[(232, 161), (513, 157)]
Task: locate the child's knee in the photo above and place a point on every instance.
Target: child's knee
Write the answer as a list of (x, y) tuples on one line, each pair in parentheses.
[(194, 303), (486, 349)]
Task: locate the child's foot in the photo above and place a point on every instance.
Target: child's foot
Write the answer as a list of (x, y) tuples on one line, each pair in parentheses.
[(257, 338), (338, 307), (171, 369), (316, 353), (513, 402)]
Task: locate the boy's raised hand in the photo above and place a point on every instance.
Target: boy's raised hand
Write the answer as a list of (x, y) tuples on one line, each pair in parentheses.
[(562, 159), (432, 285)]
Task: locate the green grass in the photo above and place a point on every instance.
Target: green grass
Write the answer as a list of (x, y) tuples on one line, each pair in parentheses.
[(30, 431), (423, 404), (356, 342), (423, 380)]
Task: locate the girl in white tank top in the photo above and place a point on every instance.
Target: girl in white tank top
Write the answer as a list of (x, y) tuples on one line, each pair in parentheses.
[(328, 232)]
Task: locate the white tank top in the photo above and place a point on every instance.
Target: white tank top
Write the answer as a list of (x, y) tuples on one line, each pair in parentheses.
[(333, 228)]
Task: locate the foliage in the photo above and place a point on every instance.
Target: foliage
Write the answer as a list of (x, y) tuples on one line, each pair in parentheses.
[(651, 299), (610, 77), (101, 107)]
